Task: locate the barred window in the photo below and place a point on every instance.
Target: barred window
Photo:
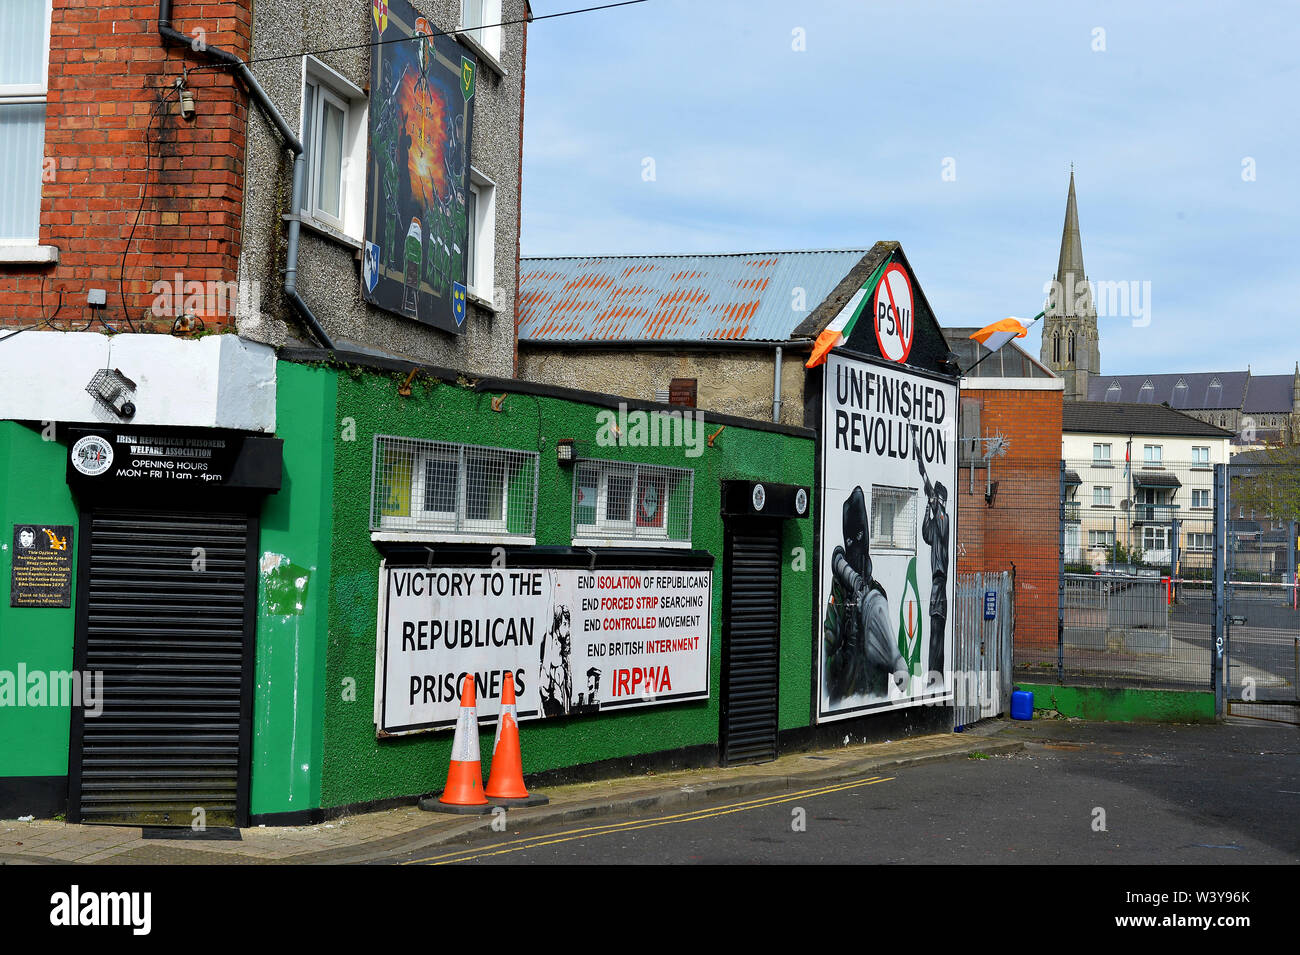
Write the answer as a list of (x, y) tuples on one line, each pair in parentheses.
[(436, 486), (893, 518), (623, 501)]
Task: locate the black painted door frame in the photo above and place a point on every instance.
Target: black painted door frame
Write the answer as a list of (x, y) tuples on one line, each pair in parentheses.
[(246, 509), (751, 644)]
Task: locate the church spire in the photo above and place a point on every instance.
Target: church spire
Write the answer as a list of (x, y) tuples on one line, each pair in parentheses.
[(1071, 260), (1070, 347)]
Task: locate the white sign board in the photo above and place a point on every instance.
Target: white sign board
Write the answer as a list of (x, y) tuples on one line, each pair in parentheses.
[(573, 641), (889, 472)]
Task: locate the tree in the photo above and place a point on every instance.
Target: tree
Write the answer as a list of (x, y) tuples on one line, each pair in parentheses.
[(1267, 483)]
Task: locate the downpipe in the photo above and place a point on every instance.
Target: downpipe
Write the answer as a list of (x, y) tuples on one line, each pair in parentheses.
[(291, 141)]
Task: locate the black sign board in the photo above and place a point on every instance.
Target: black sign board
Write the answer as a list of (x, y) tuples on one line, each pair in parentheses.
[(189, 458), (42, 566), (764, 499)]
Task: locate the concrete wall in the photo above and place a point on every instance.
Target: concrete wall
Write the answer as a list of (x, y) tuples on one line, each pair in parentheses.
[(735, 382), (329, 270)]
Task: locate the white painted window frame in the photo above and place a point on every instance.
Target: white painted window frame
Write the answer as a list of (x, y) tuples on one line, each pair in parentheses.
[(27, 249), (487, 37), (331, 86), (480, 276)]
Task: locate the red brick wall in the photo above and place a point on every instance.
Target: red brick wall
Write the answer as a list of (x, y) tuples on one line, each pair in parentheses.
[(108, 70), (1020, 527)]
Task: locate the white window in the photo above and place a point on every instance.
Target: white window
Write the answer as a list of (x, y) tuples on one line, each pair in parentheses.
[(333, 138), (1155, 538), (1200, 456), (478, 19), (1101, 496), (481, 208), (1200, 497), (893, 518), (616, 500), (1101, 538), (1200, 542), (1101, 454), (24, 85), (452, 489), (1152, 453)]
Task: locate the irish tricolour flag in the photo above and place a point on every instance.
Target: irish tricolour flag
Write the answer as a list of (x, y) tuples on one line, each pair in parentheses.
[(998, 334), (842, 325)]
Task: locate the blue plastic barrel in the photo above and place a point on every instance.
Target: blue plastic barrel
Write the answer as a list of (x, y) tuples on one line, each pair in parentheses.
[(1022, 705)]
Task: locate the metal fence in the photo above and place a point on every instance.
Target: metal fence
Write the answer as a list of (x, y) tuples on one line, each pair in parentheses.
[(1261, 603), (1177, 575), (983, 622)]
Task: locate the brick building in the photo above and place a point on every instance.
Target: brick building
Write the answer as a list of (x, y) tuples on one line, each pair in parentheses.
[(102, 120), (1009, 489)]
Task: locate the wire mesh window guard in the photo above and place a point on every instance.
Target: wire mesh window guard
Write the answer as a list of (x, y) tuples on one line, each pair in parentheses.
[(622, 501), (423, 486), (893, 518)]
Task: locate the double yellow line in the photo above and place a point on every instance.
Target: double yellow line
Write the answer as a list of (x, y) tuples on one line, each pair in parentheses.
[(535, 842)]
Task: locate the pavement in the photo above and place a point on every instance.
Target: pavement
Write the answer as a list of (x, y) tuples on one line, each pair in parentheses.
[(396, 833)]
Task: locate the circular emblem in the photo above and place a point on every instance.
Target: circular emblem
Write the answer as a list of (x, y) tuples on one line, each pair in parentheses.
[(893, 318), (92, 455), (800, 501), (759, 497)]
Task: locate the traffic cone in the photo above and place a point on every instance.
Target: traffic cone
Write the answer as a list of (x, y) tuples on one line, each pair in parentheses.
[(464, 790), (506, 780)]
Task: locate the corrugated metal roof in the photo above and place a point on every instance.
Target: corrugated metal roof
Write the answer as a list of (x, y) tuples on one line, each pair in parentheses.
[(748, 296)]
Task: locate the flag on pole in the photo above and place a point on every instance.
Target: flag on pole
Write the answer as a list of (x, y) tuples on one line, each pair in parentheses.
[(842, 324), (998, 334)]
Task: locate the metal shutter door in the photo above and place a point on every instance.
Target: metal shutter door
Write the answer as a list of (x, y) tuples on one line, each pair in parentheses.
[(169, 640), (752, 625)]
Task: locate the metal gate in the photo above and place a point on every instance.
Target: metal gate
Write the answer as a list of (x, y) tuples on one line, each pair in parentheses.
[(984, 620), (1260, 620), (751, 642), (166, 613)]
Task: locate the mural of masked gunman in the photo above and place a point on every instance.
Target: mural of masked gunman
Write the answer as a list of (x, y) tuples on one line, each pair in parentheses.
[(556, 682), (861, 653), (934, 531)]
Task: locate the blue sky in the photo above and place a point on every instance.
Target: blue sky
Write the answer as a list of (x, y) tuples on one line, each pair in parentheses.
[(758, 146)]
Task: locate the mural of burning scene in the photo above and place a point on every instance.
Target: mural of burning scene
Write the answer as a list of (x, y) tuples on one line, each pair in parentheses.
[(421, 123)]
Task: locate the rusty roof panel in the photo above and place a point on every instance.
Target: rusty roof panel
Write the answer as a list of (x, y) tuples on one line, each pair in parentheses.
[(748, 296)]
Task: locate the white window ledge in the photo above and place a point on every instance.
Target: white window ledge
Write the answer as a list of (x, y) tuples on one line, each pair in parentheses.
[(480, 301), (434, 537), (628, 542), (325, 231), (29, 254), (484, 57)]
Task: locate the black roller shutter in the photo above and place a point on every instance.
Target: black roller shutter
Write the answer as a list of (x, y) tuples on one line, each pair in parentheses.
[(173, 642), (751, 644)]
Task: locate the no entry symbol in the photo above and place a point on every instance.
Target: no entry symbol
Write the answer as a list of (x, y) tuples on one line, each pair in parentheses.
[(894, 318)]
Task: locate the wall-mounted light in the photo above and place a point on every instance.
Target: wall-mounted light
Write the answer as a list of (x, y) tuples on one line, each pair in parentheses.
[(113, 391), (564, 452)]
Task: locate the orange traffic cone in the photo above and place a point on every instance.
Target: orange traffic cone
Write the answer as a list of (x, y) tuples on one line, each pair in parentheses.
[(464, 791), (506, 781)]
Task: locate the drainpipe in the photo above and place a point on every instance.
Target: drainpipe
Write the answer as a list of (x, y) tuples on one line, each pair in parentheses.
[(776, 386), (291, 142)]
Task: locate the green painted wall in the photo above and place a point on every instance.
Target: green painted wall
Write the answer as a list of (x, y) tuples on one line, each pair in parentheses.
[(293, 597), (358, 767), (1124, 705), (33, 741)]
